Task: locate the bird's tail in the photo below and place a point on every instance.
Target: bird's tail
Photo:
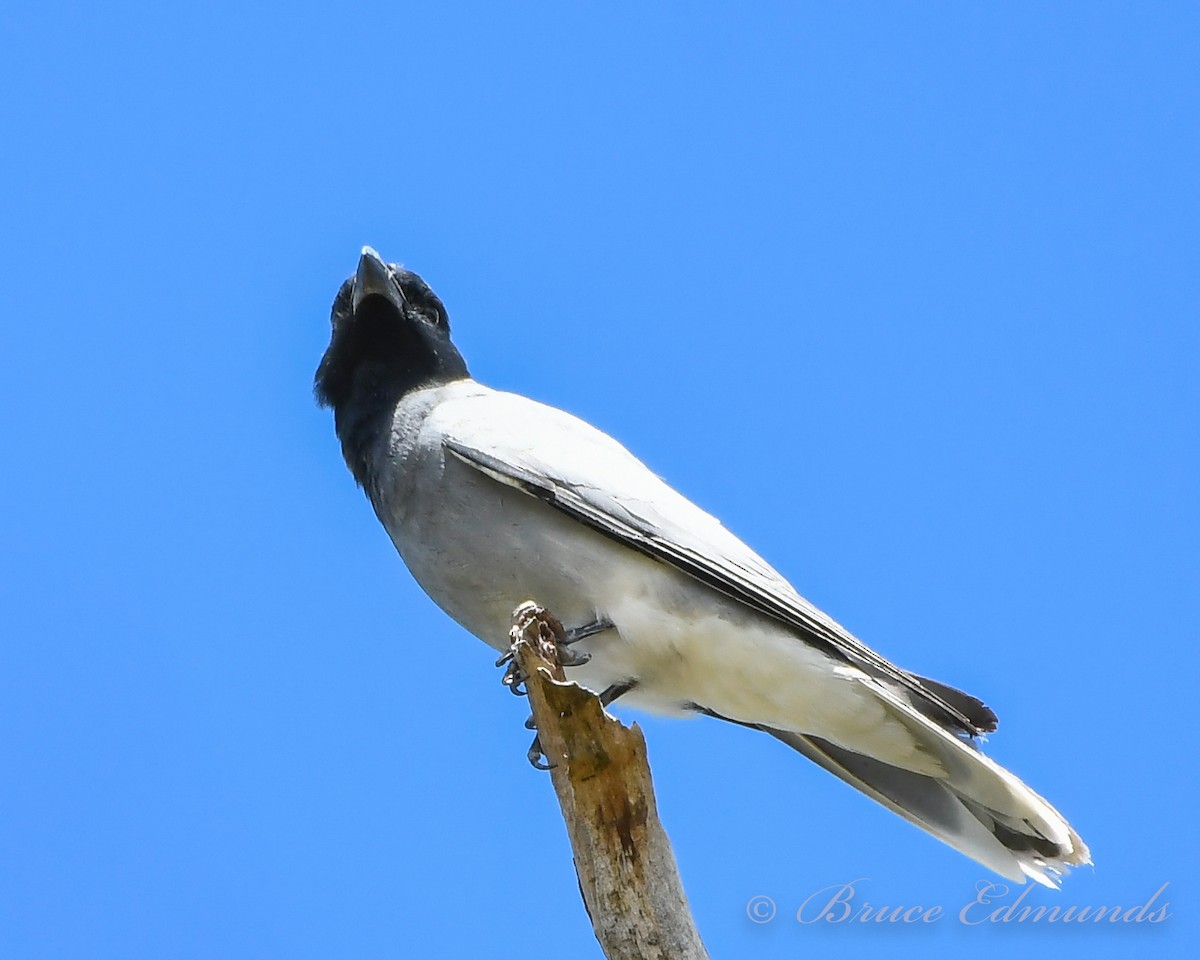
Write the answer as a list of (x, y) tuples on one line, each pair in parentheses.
[(977, 807)]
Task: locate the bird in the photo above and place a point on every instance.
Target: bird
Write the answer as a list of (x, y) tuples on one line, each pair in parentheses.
[(492, 499)]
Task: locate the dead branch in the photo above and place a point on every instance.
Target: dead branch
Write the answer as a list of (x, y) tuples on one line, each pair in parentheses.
[(627, 873)]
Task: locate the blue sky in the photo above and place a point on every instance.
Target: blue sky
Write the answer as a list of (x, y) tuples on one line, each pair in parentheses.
[(905, 293)]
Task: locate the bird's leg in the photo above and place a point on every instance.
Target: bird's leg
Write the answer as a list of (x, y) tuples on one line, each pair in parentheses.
[(515, 677), (575, 634), (568, 657), (613, 691)]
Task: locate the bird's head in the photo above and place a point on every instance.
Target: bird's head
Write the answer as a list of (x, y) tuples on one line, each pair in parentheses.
[(390, 335)]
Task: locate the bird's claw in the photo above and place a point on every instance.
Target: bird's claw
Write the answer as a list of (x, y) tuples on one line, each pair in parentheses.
[(569, 658), (515, 679), (535, 755)]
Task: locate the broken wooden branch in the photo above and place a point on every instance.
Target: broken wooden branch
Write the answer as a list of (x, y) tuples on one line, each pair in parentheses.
[(627, 872)]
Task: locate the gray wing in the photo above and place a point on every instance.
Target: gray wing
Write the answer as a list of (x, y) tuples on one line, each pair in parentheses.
[(575, 468)]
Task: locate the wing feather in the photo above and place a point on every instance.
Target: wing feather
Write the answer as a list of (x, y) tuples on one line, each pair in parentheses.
[(575, 468)]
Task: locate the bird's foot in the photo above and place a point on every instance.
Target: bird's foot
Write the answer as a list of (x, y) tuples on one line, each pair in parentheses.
[(535, 753), (514, 677), (550, 635), (537, 756), (568, 657), (553, 632)]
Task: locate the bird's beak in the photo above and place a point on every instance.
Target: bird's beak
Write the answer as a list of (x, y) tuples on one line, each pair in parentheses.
[(374, 279)]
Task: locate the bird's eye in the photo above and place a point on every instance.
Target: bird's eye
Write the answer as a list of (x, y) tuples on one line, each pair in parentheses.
[(428, 314)]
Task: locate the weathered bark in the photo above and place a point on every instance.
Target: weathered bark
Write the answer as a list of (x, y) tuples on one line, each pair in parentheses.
[(627, 873)]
